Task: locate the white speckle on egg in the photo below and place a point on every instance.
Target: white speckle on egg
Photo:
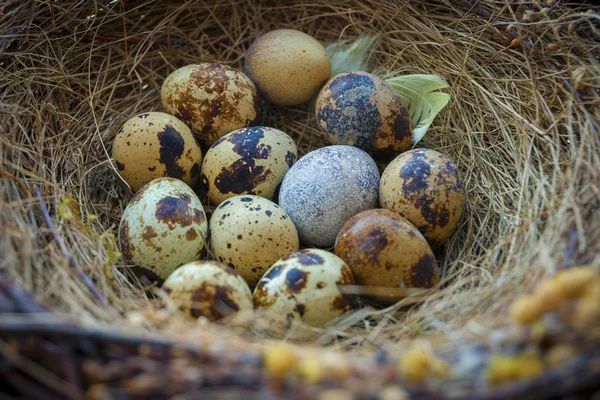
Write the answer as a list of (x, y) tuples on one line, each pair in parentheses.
[(325, 188)]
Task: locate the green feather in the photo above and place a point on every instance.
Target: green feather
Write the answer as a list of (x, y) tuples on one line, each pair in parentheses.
[(349, 56), (418, 92)]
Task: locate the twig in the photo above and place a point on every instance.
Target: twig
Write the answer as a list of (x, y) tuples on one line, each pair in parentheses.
[(72, 262)]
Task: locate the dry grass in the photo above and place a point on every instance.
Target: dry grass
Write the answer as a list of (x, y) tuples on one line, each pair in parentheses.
[(528, 148)]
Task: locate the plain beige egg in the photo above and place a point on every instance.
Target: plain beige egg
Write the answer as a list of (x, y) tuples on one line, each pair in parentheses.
[(247, 161), (153, 145), (213, 99), (304, 286), (249, 233), (288, 66), (163, 227), (208, 289)]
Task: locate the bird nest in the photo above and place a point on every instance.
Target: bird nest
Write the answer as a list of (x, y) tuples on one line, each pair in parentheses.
[(516, 312)]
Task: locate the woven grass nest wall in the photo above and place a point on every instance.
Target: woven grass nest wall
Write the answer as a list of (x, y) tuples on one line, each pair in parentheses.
[(522, 127)]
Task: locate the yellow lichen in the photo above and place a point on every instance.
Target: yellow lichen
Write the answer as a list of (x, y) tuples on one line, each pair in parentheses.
[(420, 361), (504, 369), (310, 370), (279, 360)]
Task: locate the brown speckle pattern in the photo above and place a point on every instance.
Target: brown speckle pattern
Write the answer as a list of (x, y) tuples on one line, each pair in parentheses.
[(213, 99), (244, 235), (295, 289), (158, 145), (250, 160), (359, 109), (424, 186), (163, 227), (208, 289), (384, 249)]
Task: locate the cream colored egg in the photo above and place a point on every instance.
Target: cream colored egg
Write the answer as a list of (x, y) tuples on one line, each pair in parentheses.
[(247, 161), (424, 186), (288, 66), (304, 286), (213, 99), (154, 144), (163, 226), (208, 289), (249, 233)]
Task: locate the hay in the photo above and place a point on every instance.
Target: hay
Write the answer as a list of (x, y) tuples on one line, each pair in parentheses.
[(525, 140)]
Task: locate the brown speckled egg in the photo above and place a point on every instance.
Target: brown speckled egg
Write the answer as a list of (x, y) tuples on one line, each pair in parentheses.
[(247, 161), (303, 286), (154, 144), (249, 233), (163, 226), (213, 99), (360, 109), (384, 249), (208, 289), (424, 186), (288, 66)]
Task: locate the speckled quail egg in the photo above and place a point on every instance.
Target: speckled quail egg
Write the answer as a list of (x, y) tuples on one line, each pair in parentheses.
[(249, 233), (360, 109), (154, 144), (303, 286), (163, 226), (325, 188), (208, 289), (424, 186), (384, 249), (213, 99), (247, 161), (288, 66)]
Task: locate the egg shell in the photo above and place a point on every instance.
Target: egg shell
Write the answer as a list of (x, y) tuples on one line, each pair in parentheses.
[(288, 66), (208, 289), (424, 186), (360, 109), (163, 226), (384, 249), (250, 160), (325, 188), (249, 233), (303, 286), (213, 99), (153, 145)]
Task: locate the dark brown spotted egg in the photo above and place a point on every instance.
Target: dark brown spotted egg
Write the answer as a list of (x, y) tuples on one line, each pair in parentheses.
[(208, 289), (360, 109), (163, 226), (384, 249), (249, 233), (154, 144), (213, 99), (304, 286), (424, 186), (250, 160)]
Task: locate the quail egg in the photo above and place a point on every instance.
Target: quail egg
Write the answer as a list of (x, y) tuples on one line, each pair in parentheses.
[(304, 286), (325, 188), (288, 66), (250, 160), (154, 144), (163, 226), (213, 99), (424, 186), (208, 289), (384, 249), (360, 109), (249, 233)]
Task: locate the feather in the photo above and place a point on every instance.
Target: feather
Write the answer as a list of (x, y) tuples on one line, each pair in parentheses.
[(349, 56)]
